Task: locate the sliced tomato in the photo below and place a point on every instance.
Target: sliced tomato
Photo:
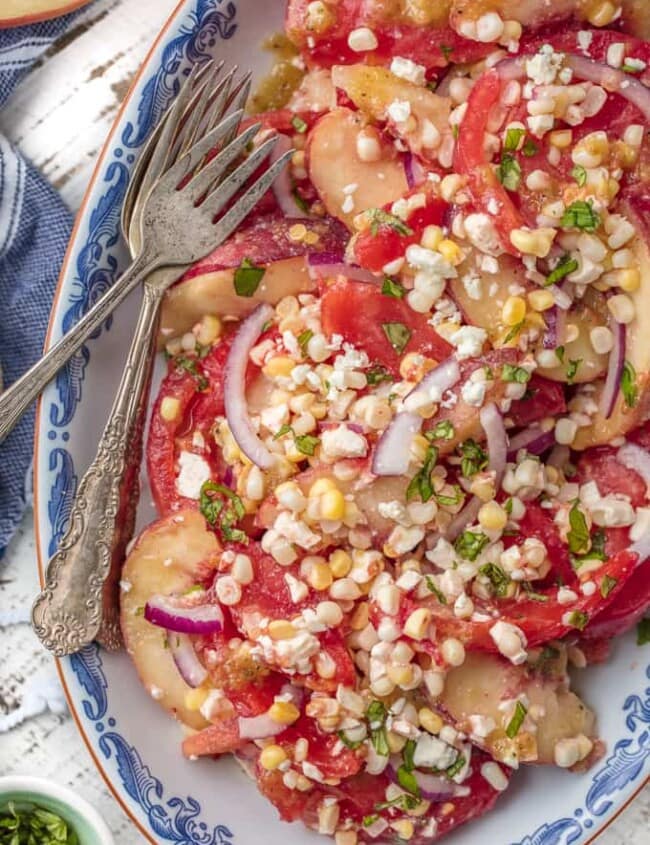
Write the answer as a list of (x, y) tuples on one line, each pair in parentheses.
[(538, 522), (374, 248), (359, 312), (629, 606), (544, 398), (611, 476), (221, 738)]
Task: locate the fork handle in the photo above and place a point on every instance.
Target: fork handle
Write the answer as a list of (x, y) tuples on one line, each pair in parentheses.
[(67, 614), (15, 401)]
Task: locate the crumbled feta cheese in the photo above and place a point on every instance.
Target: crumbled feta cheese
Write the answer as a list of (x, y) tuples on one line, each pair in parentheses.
[(298, 590), (194, 471), (433, 753), (468, 341), (472, 284), (510, 640), (543, 67), (295, 531), (294, 654), (409, 70), (585, 37), (493, 774), (399, 111), (482, 233), (342, 442), (473, 392)]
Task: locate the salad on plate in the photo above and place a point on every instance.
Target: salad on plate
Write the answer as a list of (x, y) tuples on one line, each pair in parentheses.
[(401, 454)]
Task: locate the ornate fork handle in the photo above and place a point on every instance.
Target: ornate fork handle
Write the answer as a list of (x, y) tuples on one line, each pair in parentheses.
[(68, 612), (17, 398)]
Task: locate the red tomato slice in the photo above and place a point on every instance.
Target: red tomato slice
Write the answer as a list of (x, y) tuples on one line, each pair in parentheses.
[(546, 399), (629, 606), (374, 251), (538, 522), (221, 738), (357, 312)]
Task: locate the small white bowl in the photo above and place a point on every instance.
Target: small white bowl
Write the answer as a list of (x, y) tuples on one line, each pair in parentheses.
[(86, 822)]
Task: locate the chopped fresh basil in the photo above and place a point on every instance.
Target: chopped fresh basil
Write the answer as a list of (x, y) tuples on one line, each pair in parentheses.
[(421, 484), (299, 124), (378, 374), (191, 366), (378, 217), (376, 716), (398, 335), (607, 585), (629, 387), (441, 431), (578, 534), (450, 501), (474, 459), (578, 619), (563, 268), (509, 172), (28, 824), (408, 753), (470, 544), (307, 444), (514, 725), (351, 744), (219, 502), (301, 202), (499, 579), (446, 50), (531, 594), (432, 587), (572, 368), (510, 372), (393, 288), (579, 173), (248, 278), (580, 215), (643, 632), (514, 331), (529, 148), (368, 821), (512, 139), (284, 429), (507, 506), (408, 781), (456, 766), (304, 338), (559, 354), (403, 802)]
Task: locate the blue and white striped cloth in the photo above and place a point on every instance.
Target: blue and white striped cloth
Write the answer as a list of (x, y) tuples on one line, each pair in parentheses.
[(34, 231)]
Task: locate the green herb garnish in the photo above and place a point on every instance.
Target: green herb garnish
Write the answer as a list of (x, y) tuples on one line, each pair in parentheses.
[(578, 619), (564, 267), (408, 781), (378, 374), (441, 431), (510, 372), (607, 585), (450, 501), (191, 366), (514, 331), (509, 172), (306, 444), (579, 173), (393, 288), (514, 725), (248, 278), (378, 217), (572, 368), (455, 767), (512, 139), (578, 534), (303, 340), (474, 459), (499, 579), (580, 215), (220, 505), (628, 385), (398, 335), (28, 824), (529, 148), (299, 124), (432, 587), (421, 484), (470, 544), (376, 715), (351, 744)]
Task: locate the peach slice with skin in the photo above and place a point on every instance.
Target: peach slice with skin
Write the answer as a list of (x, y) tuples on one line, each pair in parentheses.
[(21, 12), (168, 559), (484, 682), (335, 168)]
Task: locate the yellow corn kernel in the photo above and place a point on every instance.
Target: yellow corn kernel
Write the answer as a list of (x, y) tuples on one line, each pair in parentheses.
[(403, 828), (284, 712), (561, 138), (602, 14), (332, 505), (346, 837), (514, 310), (417, 624), (432, 237), (450, 251), (272, 756), (492, 516), (483, 487), (340, 563), (419, 447), (321, 486), (210, 329), (429, 720), (360, 617), (541, 300), (194, 698), (535, 242), (281, 365), (400, 675), (320, 576), (170, 408), (629, 280), (281, 629), (297, 232), (395, 742)]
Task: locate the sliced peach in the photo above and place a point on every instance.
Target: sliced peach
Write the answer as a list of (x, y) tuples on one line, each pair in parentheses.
[(581, 318), (334, 168), (485, 681), (169, 558), (21, 12)]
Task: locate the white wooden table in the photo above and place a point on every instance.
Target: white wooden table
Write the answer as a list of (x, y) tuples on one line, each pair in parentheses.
[(60, 117)]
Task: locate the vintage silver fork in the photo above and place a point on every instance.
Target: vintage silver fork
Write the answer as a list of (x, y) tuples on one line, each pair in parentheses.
[(176, 231)]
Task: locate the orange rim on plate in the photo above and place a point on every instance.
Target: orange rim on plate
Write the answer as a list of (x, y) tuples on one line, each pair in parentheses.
[(21, 16), (41, 564)]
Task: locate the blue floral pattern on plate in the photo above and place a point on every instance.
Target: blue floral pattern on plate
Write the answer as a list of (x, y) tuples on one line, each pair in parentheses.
[(99, 260)]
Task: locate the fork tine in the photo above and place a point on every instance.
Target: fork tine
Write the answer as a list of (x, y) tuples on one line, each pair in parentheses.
[(239, 97), (238, 178), (243, 207), (188, 163), (201, 183), (209, 95)]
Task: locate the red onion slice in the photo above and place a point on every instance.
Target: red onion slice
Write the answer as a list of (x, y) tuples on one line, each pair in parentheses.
[(561, 297), (614, 371), (323, 265), (413, 170), (442, 378), (235, 388), (463, 518), (199, 619), (612, 79), (283, 187), (393, 451), (187, 662), (497, 439), (532, 439), (432, 787), (642, 549), (259, 727), (634, 457)]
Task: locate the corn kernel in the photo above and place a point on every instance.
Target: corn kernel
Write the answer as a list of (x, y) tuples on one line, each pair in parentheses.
[(429, 720), (404, 829), (450, 251), (400, 675), (602, 14), (272, 756), (541, 300), (297, 232), (209, 330), (346, 837), (432, 237), (514, 310), (320, 576), (280, 366), (360, 617), (419, 447), (395, 742), (321, 486), (284, 712), (340, 563), (281, 629), (483, 487), (492, 516), (417, 624), (629, 280), (170, 408), (194, 698), (537, 242), (332, 505), (561, 138)]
